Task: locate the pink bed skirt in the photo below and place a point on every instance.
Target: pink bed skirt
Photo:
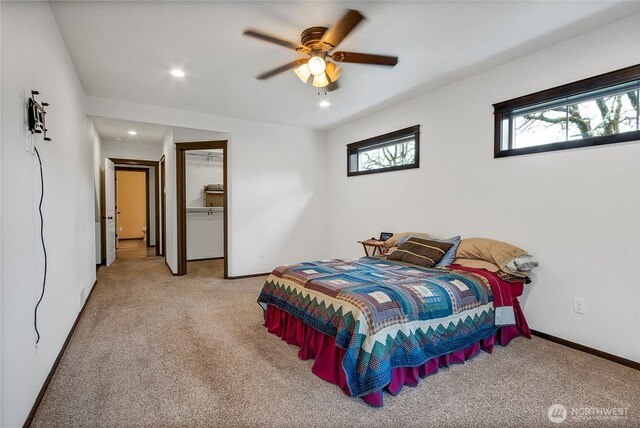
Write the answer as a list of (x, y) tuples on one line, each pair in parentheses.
[(328, 356)]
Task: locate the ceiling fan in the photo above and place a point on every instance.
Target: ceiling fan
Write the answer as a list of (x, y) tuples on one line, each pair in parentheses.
[(319, 43)]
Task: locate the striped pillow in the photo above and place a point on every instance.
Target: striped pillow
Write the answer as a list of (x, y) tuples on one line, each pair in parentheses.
[(421, 252)]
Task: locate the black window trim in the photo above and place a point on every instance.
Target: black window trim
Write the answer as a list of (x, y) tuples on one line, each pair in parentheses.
[(388, 137), (502, 112)]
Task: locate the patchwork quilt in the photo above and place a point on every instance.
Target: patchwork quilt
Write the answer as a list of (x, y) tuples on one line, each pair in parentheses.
[(385, 314)]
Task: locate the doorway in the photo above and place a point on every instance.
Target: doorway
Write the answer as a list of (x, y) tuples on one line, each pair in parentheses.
[(206, 206), (135, 235), (132, 213)]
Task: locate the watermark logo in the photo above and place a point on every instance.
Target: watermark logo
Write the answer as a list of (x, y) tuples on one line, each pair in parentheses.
[(557, 413)]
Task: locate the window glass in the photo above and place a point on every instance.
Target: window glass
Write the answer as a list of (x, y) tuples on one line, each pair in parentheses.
[(599, 110), (389, 152), (388, 155)]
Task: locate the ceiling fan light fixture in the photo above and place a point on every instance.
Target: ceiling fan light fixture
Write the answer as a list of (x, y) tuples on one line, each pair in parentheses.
[(303, 72), (319, 44), (333, 71), (320, 81), (317, 65)]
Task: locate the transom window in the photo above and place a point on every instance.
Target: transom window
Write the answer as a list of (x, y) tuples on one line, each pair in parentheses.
[(600, 110), (389, 152)]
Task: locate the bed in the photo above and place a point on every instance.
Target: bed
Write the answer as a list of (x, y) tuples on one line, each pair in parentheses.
[(375, 325)]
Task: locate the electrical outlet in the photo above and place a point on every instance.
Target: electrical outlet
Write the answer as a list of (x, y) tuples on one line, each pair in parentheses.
[(579, 306), (120, 229)]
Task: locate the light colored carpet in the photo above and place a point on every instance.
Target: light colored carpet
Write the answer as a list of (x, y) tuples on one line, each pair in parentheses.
[(156, 350), (209, 269)]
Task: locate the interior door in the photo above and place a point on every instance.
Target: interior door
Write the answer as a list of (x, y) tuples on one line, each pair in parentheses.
[(110, 210), (163, 210)]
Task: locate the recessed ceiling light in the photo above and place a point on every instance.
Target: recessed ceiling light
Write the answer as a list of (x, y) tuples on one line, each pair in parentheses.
[(132, 132), (324, 103), (176, 72)]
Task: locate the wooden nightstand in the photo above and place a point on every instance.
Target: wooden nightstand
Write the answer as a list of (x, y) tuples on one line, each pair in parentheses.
[(374, 244)]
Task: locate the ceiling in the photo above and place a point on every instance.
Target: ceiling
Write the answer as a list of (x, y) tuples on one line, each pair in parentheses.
[(118, 130), (125, 50)]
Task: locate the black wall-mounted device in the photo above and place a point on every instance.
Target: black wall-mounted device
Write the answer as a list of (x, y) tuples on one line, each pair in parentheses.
[(36, 116)]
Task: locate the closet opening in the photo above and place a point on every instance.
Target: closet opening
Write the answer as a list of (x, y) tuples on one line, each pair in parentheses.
[(202, 208)]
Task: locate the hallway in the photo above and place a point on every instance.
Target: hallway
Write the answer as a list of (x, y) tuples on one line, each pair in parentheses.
[(134, 249)]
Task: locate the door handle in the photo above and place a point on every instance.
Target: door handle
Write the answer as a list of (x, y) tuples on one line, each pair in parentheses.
[(110, 218)]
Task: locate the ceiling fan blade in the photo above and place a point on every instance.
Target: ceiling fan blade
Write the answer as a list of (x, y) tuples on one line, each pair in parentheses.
[(364, 58), (281, 69), (334, 35), (271, 39), (333, 86)]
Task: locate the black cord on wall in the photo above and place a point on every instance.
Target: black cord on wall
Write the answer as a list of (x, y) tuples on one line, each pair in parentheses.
[(44, 248)]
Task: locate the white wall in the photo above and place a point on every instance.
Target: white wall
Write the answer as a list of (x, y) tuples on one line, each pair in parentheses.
[(577, 211), (276, 188), (189, 135), (97, 162), (171, 249), (128, 150), (35, 57), (1, 122), (205, 230)]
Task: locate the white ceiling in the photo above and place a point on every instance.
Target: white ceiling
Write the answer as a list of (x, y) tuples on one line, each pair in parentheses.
[(124, 50), (118, 130)]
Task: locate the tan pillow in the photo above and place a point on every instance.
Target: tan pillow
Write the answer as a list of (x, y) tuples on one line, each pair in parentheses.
[(477, 264), (391, 242), (497, 252), (491, 267)]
